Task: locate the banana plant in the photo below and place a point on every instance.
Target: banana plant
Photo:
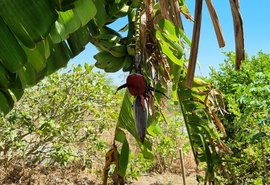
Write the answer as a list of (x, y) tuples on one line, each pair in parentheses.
[(162, 51), (39, 37)]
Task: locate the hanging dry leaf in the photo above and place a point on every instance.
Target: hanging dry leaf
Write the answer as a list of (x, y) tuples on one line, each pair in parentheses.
[(238, 33), (195, 44), (216, 24)]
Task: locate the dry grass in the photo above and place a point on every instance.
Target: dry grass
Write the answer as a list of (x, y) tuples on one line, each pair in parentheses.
[(18, 175)]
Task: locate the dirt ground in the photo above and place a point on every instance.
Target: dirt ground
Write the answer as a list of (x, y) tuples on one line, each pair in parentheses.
[(17, 175), (13, 173), (164, 179)]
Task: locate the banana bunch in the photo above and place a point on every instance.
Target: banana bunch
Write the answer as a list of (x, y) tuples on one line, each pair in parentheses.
[(110, 42), (113, 55), (110, 63)]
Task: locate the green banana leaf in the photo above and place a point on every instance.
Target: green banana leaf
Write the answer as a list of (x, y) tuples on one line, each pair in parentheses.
[(30, 20), (71, 20), (28, 49), (39, 37)]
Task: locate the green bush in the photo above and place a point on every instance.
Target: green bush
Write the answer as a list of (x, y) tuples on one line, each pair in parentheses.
[(246, 94), (61, 119)]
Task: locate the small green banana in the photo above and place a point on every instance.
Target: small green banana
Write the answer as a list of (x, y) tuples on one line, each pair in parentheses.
[(118, 50), (115, 65), (114, 48), (105, 45), (107, 30), (131, 50), (108, 62), (109, 37), (127, 64), (103, 58)]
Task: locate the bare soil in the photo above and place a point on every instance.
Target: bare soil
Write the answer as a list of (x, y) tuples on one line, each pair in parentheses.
[(165, 179), (14, 173), (18, 175)]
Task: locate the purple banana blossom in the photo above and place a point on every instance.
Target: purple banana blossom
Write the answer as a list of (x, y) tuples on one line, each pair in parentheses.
[(140, 110)]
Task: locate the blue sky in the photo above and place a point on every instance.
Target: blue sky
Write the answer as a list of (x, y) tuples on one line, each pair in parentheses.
[(256, 19)]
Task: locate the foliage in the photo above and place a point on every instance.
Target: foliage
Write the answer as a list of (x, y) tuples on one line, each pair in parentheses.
[(201, 106), (246, 94), (39, 38), (166, 145), (60, 120), (65, 127)]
